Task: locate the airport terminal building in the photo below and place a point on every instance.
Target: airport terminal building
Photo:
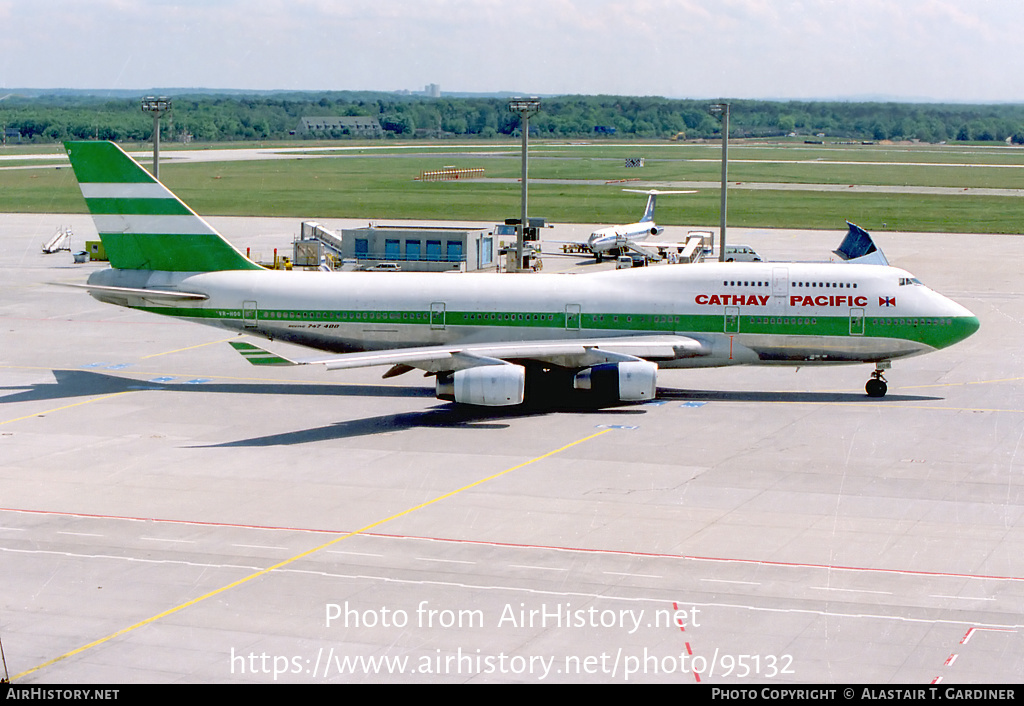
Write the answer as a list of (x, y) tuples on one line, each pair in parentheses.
[(420, 248), (354, 126)]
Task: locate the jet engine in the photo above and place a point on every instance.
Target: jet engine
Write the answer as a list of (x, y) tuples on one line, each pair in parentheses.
[(487, 385), (629, 381)]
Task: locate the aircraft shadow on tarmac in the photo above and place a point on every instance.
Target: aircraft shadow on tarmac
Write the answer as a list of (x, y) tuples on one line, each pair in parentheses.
[(453, 416), (71, 384), (672, 394), (444, 416), (84, 383)]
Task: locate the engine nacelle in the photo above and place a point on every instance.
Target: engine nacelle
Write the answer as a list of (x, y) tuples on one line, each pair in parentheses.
[(656, 230), (631, 381), (487, 385)]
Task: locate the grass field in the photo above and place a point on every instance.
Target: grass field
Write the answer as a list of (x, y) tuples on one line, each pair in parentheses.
[(378, 183)]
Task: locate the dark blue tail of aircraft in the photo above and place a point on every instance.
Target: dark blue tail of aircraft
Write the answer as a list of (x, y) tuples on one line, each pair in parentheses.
[(858, 246)]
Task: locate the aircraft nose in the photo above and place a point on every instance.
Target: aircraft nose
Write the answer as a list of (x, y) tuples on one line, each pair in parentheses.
[(966, 326)]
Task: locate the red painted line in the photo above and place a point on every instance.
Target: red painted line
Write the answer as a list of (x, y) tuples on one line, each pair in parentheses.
[(970, 633), (689, 650), (516, 545)]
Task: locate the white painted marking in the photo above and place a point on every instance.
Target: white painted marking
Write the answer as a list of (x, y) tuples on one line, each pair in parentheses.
[(335, 551), (133, 559), (446, 561)]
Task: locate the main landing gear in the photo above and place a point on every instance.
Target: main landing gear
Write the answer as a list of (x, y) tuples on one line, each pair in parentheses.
[(876, 386)]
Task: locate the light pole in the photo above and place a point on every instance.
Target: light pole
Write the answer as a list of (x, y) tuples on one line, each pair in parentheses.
[(524, 107), (158, 107), (722, 109)]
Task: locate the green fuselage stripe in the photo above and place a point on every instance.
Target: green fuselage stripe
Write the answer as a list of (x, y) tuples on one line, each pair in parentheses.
[(931, 331)]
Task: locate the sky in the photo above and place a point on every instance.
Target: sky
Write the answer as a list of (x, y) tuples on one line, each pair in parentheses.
[(941, 50)]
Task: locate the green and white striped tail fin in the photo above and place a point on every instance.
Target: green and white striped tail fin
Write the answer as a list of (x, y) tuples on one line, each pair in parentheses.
[(142, 224)]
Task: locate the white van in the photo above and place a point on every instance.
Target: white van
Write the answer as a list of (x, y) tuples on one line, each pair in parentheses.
[(741, 253)]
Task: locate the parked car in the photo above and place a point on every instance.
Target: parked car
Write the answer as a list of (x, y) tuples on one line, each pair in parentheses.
[(741, 253), (631, 260)]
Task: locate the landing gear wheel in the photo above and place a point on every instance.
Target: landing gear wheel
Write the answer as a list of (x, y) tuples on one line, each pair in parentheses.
[(876, 387)]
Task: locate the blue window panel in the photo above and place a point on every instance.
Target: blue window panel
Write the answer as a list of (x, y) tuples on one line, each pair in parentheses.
[(454, 251)]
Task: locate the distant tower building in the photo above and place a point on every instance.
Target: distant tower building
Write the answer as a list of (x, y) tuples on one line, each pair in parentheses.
[(432, 90)]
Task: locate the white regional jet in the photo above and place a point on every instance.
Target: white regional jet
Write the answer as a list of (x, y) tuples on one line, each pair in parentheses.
[(491, 339), (613, 241)]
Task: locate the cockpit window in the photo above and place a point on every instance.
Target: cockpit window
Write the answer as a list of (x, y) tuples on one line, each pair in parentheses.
[(904, 281)]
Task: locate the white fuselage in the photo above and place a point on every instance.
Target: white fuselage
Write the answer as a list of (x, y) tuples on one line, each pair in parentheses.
[(614, 238), (741, 313)]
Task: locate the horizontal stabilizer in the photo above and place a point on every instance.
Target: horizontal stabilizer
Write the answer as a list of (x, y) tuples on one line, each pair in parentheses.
[(258, 356), (155, 295), (658, 192)]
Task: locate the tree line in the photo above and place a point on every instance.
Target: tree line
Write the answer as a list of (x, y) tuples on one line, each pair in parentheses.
[(220, 118)]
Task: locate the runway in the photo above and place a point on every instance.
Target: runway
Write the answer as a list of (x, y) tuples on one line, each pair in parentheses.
[(59, 160), (171, 514)]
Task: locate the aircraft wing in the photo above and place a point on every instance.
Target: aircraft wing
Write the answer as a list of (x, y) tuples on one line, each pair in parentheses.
[(580, 353)]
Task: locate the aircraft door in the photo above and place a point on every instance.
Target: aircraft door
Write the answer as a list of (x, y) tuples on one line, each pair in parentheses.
[(732, 319), (437, 316), (780, 291), (250, 314), (856, 322), (572, 317), (780, 281)]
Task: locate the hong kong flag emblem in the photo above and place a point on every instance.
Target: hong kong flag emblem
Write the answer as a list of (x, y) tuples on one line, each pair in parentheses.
[(887, 301)]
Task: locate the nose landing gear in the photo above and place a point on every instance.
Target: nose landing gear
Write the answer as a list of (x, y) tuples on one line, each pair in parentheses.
[(876, 386)]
